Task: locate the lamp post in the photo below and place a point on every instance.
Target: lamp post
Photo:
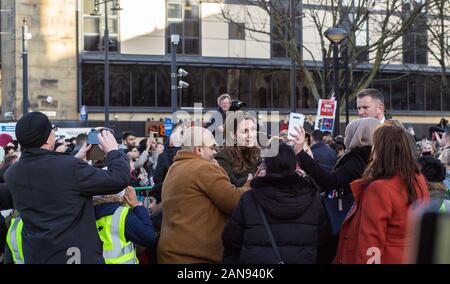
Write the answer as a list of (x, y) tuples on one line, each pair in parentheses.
[(106, 47), (25, 37), (336, 35), (293, 41), (174, 40)]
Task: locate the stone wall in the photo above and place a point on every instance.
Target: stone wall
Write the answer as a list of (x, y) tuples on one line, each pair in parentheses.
[(52, 58)]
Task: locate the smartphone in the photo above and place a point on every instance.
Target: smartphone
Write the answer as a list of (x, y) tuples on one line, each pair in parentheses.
[(295, 120), (96, 153)]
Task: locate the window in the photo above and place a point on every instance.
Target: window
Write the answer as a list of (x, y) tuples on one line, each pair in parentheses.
[(236, 31), (185, 14), (94, 26), (194, 93), (278, 35), (360, 38), (281, 89), (399, 93), (433, 93), (383, 84), (260, 85), (415, 38)]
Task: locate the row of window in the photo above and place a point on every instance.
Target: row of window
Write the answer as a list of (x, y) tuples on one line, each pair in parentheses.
[(185, 14), (149, 86)]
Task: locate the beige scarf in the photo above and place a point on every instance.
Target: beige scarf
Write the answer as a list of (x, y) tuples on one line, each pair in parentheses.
[(359, 132)]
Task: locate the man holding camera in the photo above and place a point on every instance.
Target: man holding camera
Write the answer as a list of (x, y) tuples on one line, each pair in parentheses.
[(53, 193), (224, 104)]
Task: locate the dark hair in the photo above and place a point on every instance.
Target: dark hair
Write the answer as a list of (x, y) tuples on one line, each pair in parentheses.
[(81, 139), (393, 156), (337, 147), (129, 149), (142, 145), (326, 133), (125, 134), (243, 158), (284, 163), (373, 93), (317, 135)]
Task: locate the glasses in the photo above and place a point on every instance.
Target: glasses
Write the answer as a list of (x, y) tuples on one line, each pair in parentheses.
[(55, 128)]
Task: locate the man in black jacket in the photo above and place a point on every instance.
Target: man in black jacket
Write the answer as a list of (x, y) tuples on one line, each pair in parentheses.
[(52, 193)]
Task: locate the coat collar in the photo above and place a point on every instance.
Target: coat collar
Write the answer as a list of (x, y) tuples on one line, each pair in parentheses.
[(33, 152), (357, 189)]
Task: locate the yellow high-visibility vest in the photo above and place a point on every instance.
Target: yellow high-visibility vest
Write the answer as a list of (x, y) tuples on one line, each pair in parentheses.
[(111, 229), (14, 240)]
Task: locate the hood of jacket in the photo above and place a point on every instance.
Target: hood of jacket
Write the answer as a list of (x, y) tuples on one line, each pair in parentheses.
[(283, 197), (106, 209)]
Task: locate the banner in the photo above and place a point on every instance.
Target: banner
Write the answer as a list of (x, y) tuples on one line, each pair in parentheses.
[(325, 115)]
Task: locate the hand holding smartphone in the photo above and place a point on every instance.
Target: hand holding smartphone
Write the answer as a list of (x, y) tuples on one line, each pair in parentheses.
[(295, 120)]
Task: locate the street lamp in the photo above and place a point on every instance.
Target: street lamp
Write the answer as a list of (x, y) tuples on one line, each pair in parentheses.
[(25, 37), (174, 41), (116, 7), (336, 35)]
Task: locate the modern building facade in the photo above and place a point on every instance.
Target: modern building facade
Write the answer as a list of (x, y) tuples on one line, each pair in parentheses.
[(66, 61)]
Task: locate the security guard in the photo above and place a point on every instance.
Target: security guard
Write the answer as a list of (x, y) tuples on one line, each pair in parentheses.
[(116, 249), (14, 240), (121, 227)]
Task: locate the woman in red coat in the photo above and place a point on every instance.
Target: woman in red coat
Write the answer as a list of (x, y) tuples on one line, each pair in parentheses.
[(375, 230)]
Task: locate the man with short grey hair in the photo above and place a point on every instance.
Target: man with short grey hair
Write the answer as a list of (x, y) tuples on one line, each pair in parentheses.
[(370, 103)]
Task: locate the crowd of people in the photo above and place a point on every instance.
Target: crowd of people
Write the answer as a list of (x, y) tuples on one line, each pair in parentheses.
[(320, 199)]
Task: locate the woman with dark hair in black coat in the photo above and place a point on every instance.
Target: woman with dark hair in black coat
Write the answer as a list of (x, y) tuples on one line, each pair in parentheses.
[(291, 205)]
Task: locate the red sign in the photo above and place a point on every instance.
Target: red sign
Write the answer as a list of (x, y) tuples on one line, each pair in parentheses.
[(327, 108)]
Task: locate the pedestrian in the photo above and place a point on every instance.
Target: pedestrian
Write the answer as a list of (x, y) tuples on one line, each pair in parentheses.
[(322, 153), (53, 193), (122, 223), (128, 140), (219, 116), (435, 173), (240, 157), (350, 167), (291, 205), (375, 230), (197, 201)]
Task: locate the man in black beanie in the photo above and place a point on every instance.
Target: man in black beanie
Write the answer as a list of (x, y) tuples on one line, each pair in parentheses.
[(434, 172), (53, 193)]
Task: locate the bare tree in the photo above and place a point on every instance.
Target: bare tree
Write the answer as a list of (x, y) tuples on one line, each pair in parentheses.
[(438, 32), (383, 22)]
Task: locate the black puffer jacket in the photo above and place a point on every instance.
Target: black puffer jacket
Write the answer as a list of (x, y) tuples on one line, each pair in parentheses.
[(292, 209)]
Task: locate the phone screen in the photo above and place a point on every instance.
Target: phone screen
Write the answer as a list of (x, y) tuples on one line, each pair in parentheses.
[(295, 120)]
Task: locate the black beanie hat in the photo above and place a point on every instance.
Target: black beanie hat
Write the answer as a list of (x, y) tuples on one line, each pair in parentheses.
[(33, 129), (432, 169)]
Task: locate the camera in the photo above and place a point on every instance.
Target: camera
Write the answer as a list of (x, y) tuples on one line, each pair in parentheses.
[(237, 105)]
